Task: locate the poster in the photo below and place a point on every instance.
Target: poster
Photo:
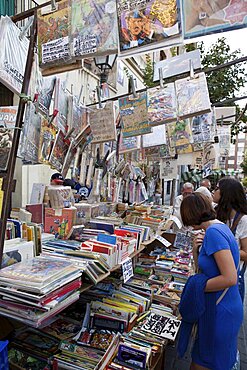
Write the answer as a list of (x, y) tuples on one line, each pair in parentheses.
[(197, 160), (179, 133), (156, 152), (62, 105), (192, 96), (102, 122), (134, 115), (203, 128), (47, 138), (210, 158), (155, 138), (162, 104), (168, 169), (147, 24), (30, 136), (7, 125), (224, 134), (177, 65), (59, 151), (45, 96), (207, 17), (53, 34), (13, 55), (93, 28), (129, 144)]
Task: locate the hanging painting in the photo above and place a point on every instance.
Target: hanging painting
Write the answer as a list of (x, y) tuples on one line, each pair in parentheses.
[(93, 28), (129, 144), (45, 95), (7, 125), (47, 138), (155, 138), (179, 133), (203, 128), (168, 168), (59, 151), (61, 104)]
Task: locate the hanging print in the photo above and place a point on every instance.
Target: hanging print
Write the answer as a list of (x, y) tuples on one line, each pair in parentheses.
[(203, 128), (93, 27), (161, 104), (7, 125), (134, 115), (102, 122), (147, 24), (212, 16), (179, 133)]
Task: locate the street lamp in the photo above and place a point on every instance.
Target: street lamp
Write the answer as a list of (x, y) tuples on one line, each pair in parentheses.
[(105, 64)]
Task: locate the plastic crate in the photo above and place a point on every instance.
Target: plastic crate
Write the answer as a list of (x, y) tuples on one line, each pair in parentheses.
[(4, 362)]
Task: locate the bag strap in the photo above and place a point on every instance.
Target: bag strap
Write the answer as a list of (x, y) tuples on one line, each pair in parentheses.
[(236, 220), (225, 290)]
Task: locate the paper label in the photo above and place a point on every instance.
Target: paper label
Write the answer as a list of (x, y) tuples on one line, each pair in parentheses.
[(127, 268), (163, 240)]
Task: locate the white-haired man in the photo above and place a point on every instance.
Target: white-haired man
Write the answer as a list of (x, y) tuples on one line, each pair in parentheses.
[(187, 189)]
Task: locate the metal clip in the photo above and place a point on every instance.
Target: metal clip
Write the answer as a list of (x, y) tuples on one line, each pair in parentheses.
[(133, 88), (161, 78), (192, 73), (98, 90), (53, 5)]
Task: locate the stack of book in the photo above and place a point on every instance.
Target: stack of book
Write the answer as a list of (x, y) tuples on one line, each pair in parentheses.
[(35, 290)]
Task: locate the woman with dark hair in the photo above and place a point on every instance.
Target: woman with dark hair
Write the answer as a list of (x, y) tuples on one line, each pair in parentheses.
[(211, 299), (232, 209)]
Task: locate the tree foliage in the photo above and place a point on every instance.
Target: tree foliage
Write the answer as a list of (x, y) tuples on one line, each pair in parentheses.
[(224, 83), (243, 165), (148, 72)]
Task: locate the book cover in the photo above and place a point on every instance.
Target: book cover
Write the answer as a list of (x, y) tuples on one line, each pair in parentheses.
[(7, 124), (59, 224), (53, 34), (93, 28), (132, 356), (161, 326), (37, 211), (37, 194), (62, 329)]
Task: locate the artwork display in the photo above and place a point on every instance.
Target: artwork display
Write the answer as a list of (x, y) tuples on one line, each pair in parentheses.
[(13, 55), (192, 96), (163, 151), (47, 138), (129, 144), (179, 133), (155, 138), (45, 96), (203, 128), (102, 122), (161, 104), (53, 34), (79, 116), (59, 151), (134, 115), (168, 169), (62, 105), (93, 27), (224, 134), (30, 137), (147, 24), (203, 18), (7, 124)]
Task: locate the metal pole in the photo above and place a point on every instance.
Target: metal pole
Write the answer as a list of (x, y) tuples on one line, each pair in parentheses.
[(8, 179)]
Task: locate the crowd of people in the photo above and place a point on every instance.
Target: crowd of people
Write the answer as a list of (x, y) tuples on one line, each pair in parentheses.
[(213, 297)]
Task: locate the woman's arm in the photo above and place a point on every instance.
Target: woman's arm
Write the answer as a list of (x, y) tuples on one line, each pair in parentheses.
[(228, 272), (243, 249)]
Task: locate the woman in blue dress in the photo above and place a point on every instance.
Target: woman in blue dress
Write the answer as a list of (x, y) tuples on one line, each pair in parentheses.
[(218, 259)]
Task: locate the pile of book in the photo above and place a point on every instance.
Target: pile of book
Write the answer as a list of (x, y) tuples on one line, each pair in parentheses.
[(35, 290)]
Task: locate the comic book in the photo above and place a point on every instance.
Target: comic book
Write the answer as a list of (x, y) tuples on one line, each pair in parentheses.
[(93, 28), (30, 136), (134, 115), (7, 124), (148, 24), (53, 34)]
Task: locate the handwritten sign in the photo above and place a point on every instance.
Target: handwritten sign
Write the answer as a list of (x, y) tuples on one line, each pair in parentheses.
[(127, 268), (102, 122)]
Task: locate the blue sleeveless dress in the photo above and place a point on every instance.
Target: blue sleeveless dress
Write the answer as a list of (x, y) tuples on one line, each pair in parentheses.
[(229, 312)]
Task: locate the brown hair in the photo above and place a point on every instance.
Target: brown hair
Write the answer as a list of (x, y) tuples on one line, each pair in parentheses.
[(195, 209)]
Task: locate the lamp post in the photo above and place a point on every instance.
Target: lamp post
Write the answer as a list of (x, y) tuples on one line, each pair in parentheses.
[(105, 64)]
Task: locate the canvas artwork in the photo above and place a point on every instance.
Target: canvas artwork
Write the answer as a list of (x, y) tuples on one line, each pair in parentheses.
[(13, 55), (162, 326), (192, 96), (102, 122), (129, 144), (203, 128), (134, 115), (93, 28), (163, 151), (179, 133), (45, 96), (61, 103), (53, 34), (79, 116), (168, 168), (207, 17), (147, 24), (59, 151), (162, 104), (47, 138), (155, 138), (30, 137), (7, 124)]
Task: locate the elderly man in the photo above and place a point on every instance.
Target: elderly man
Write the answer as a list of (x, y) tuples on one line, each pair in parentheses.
[(187, 189), (206, 183)]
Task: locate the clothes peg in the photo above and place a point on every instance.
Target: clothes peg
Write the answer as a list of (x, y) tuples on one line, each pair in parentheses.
[(133, 89), (53, 5), (80, 94), (69, 133), (26, 28), (192, 73), (161, 77), (52, 117), (98, 89)]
